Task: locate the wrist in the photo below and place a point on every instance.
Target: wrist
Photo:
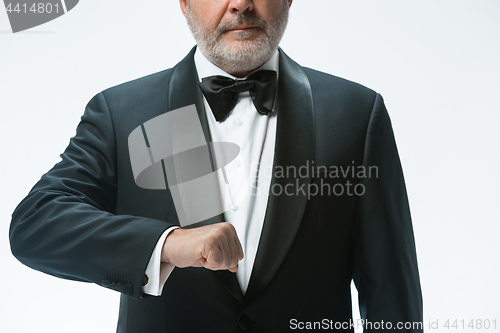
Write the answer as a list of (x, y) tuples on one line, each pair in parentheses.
[(166, 249)]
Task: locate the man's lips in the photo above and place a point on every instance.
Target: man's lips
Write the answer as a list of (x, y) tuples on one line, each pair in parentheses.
[(243, 28)]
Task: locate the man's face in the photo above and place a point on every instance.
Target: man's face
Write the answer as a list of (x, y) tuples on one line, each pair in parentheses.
[(237, 35)]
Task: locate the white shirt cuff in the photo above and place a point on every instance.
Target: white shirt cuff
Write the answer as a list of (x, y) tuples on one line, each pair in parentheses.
[(157, 272)]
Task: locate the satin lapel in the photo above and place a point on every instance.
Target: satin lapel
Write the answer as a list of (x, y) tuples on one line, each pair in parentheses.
[(184, 91), (294, 148)]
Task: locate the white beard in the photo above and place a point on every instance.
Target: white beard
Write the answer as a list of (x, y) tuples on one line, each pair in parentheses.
[(248, 55)]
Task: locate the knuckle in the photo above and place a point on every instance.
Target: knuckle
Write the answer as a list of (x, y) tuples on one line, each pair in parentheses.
[(227, 227), (230, 226)]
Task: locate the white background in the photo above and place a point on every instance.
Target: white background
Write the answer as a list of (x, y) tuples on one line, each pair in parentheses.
[(436, 62)]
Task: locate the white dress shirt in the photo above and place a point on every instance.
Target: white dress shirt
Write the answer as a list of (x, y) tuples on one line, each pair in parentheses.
[(246, 192)]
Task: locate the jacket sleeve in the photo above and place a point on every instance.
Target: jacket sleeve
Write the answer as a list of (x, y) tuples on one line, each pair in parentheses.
[(385, 262), (66, 226)]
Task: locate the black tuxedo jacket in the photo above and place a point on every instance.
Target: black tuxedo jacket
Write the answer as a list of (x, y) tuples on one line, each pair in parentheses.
[(87, 220)]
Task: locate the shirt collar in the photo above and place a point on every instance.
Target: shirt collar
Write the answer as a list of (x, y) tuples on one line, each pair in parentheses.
[(206, 68)]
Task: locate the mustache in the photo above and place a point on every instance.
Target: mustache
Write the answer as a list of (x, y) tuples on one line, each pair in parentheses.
[(247, 18)]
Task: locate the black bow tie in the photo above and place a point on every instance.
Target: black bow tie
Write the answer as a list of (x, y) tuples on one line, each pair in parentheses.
[(222, 92)]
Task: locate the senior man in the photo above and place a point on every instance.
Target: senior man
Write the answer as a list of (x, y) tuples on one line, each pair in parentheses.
[(333, 208)]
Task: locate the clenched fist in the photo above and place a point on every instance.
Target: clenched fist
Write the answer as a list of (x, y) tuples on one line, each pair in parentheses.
[(214, 246)]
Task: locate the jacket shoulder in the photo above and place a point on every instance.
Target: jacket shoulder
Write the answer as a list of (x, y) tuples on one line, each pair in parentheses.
[(139, 89), (325, 85)]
